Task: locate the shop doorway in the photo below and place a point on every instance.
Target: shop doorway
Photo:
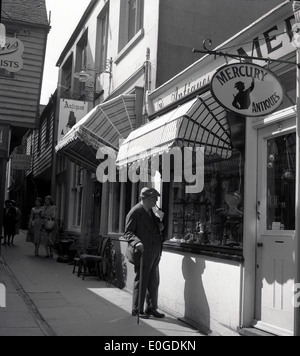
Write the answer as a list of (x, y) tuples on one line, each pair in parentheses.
[(276, 265)]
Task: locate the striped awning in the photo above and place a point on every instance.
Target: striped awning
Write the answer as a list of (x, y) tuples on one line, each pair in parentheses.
[(201, 122), (107, 124)]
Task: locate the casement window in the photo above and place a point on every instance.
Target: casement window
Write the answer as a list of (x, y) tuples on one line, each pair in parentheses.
[(81, 61), (132, 21), (135, 17), (103, 27), (66, 82)]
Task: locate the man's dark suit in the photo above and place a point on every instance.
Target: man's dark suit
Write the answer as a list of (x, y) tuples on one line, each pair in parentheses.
[(143, 227)]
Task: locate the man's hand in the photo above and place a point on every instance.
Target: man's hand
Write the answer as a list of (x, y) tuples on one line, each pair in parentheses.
[(140, 247), (160, 214)]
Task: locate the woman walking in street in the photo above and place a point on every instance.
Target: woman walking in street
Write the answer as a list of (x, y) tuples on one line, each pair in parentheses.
[(9, 221), (49, 230), (35, 225), (17, 220)]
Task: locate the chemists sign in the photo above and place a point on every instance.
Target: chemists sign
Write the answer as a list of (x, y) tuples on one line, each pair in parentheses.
[(11, 55), (247, 89)]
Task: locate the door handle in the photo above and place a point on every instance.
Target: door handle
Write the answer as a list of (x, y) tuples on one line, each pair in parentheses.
[(260, 245)]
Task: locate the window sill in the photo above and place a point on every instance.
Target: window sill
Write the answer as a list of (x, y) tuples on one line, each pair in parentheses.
[(129, 46), (220, 252)]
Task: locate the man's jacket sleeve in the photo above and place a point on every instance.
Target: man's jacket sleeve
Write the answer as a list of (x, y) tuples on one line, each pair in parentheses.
[(131, 228)]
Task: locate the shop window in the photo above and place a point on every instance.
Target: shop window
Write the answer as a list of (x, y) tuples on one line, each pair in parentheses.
[(123, 197), (77, 192), (281, 183), (215, 216)]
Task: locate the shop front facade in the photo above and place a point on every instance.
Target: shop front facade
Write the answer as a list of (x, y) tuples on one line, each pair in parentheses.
[(123, 54), (228, 184)]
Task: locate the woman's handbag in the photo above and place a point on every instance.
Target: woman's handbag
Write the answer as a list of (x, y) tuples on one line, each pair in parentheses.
[(49, 225), (30, 235)]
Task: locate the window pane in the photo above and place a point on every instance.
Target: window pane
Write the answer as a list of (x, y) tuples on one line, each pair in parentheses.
[(281, 183), (132, 19), (79, 207), (214, 216), (75, 206), (116, 207)]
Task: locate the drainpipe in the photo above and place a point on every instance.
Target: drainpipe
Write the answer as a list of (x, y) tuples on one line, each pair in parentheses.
[(296, 8)]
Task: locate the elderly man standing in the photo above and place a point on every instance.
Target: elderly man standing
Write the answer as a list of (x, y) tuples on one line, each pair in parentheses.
[(144, 232)]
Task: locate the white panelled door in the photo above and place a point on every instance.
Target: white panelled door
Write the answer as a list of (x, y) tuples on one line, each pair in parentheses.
[(276, 245)]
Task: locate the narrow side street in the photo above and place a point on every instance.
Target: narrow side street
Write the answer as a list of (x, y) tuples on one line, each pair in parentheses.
[(44, 298), (156, 145)]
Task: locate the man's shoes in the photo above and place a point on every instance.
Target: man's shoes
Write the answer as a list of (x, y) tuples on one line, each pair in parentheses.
[(155, 313), (142, 314)]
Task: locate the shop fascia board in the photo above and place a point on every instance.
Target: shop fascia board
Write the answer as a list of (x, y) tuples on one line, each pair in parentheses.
[(208, 65)]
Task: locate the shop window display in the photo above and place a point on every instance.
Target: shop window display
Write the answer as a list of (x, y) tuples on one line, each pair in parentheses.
[(281, 183), (215, 216)]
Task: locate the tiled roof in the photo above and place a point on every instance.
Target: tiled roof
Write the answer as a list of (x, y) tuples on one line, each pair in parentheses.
[(28, 11)]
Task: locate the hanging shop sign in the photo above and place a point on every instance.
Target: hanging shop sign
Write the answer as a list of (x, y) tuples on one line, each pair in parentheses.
[(20, 162), (247, 89), (11, 55), (70, 113)]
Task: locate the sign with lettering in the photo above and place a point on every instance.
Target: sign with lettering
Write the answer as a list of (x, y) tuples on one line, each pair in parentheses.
[(273, 41), (70, 113), (11, 55), (20, 162), (247, 89)]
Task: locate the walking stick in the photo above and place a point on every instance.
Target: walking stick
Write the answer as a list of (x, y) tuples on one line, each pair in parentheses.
[(140, 287)]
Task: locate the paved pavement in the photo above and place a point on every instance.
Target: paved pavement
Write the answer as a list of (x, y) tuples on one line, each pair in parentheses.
[(44, 298)]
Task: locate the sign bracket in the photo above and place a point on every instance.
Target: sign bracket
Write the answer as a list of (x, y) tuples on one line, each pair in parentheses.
[(226, 55)]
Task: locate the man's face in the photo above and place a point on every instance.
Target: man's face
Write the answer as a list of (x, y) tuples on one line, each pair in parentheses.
[(151, 202)]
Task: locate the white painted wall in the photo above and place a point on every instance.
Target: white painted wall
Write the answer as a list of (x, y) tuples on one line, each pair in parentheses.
[(204, 290), (136, 57)]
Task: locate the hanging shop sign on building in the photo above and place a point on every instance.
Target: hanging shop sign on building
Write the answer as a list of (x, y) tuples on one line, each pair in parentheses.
[(11, 55), (20, 162), (275, 41), (70, 113), (247, 89)]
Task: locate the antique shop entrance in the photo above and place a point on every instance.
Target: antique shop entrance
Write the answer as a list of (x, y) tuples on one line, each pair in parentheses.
[(276, 238)]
